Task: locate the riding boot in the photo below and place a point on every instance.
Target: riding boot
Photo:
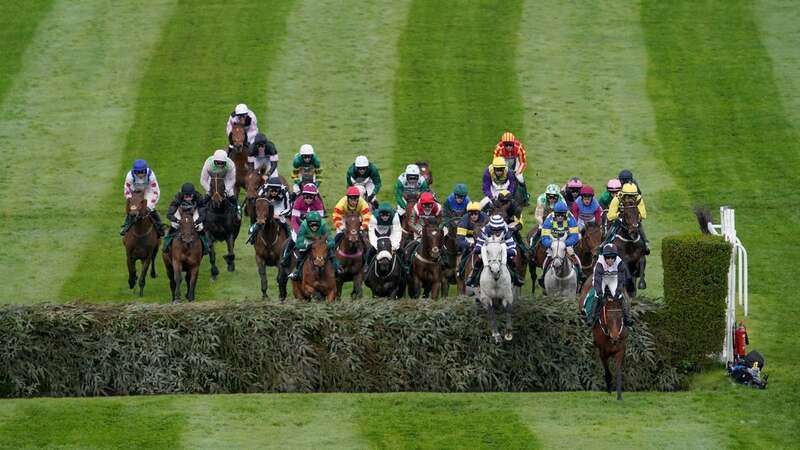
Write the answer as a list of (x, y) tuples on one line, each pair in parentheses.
[(168, 239), (545, 266), (512, 270), (125, 226), (336, 266), (253, 231), (204, 240), (626, 312), (235, 204), (476, 274), (286, 259), (157, 222), (524, 194), (592, 317), (298, 268), (644, 239), (576, 263), (338, 237)]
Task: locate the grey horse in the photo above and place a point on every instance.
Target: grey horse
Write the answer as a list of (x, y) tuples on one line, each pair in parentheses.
[(496, 288)]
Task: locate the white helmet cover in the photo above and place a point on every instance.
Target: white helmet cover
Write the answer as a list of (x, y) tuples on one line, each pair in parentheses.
[(221, 155), (241, 108), (306, 149), (362, 161), (412, 169)]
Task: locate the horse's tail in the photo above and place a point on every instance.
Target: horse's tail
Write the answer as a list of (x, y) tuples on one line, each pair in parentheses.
[(703, 215)]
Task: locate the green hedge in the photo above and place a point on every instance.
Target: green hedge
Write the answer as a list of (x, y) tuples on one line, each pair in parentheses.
[(368, 346), (692, 321)]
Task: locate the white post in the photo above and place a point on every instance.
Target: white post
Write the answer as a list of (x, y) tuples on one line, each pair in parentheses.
[(737, 277)]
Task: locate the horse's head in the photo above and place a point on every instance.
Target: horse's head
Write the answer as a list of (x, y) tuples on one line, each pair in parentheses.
[(385, 257), (136, 206), (495, 255), (238, 137), (593, 236), (558, 251), (307, 174), (611, 317), (352, 227), (319, 252), (432, 237), (186, 230), (217, 191), (630, 215), (263, 211), (425, 171)]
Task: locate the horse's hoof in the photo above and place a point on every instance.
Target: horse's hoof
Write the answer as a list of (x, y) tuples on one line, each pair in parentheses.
[(231, 267), (214, 272), (509, 336), (642, 285)]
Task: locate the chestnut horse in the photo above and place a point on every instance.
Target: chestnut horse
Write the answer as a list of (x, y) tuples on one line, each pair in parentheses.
[(588, 246), (270, 239), (610, 336), (319, 279), (239, 153), (426, 262), (184, 256), (405, 219), (350, 251), (141, 241)]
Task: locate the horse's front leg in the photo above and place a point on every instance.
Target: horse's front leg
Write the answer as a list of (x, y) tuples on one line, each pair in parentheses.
[(489, 306), (436, 286), (509, 308), (606, 371), (534, 280), (145, 267), (642, 265), (212, 258), (262, 273), (131, 272), (177, 275), (618, 363), (358, 281), (153, 259), (230, 257)]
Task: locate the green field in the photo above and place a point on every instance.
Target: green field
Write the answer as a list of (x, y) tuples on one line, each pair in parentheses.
[(699, 99)]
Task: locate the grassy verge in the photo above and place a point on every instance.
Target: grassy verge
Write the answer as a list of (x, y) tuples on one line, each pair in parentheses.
[(17, 28)]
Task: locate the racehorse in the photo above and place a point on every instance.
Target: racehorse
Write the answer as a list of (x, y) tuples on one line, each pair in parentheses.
[(426, 262), (350, 251), (386, 277), (629, 244), (405, 219), (425, 171), (141, 241), (318, 279), (221, 223), (587, 247), (496, 286), (610, 336), (271, 237), (238, 154), (560, 280), (450, 257), (523, 251), (184, 256), (536, 256), (255, 179)]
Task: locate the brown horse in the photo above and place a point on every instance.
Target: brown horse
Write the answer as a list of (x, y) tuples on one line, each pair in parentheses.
[(255, 179), (536, 256), (239, 153), (629, 244), (450, 257), (588, 246), (350, 251), (425, 171), (319, 279), (141, 241), (222, 224), (184, 256), (426, 262), (610, 336), (270, 239), (405, 220)]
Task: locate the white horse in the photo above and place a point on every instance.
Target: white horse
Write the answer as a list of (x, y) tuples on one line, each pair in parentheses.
[(561, 279), (496, 286)]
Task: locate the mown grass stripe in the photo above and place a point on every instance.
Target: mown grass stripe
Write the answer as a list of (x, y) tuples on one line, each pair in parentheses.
[(726, 136), (583, 74), (18, 24), (456, 90), (211, 56), (778, 23), (63, 125)]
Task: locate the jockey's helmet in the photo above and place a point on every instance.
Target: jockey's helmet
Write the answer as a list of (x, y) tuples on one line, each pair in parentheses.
[(587, 191), (629, 189), (426, 199), (474, 207), (274, 183), (574, 183), (353, 193), (220, 156), (499, 163), (460, 190), (497, 224), (139, 167), (361, 162), (625, 176), (614, 185), (313, 219), (560, 208), (552, 189), (385, 209), (609, 251), (241, 109), (306, 150), (412, 170), (188, 189), (508, 138)]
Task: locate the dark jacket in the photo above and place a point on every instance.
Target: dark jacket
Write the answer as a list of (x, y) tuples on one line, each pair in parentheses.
[(197, 199)]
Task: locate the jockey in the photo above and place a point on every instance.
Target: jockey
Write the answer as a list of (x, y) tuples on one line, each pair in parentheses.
[(560, 224), (352, 203), (512, 150), (547, 201), (385, 223), (310, 201), (587, 210), (496, 178), (263, 154), (242, 115), (275, 193), (629, 190), (456, 203), (425, 208), (505, 202), (220, 164), (612, 188), (187, 196), (572, 190), (625, 176), (467, 231), (409, 183), (496, 227), (312, 227), (305, 160), (366, 177), (142, 178), (609, 277)]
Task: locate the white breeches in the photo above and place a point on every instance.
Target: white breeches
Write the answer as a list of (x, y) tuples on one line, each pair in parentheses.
[(367, 188), (195, 216)]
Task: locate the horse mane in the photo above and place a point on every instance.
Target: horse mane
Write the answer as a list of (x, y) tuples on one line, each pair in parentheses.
[(703, 215)]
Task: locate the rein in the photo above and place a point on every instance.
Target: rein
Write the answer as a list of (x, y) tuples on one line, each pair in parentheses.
[(394, 264)]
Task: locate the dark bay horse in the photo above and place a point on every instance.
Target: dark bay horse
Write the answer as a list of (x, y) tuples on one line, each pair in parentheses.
[(386, 278), (405, 219), (319, 279), (255, 179), (610, 338), (270, 240), (239, 154), (184, 256), (141, 241), (588, 246), (350, 250), (450, 257), (222, 224), (426, 262), (536, 256), (629, 244)]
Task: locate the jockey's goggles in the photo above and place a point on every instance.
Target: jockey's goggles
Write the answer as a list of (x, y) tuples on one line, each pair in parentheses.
[(308, 196), (313, 224), (552, 197), (140, 172), (412, 177), (508, 144), (560, 216), (460, 197), (219, 163), (474, 213)]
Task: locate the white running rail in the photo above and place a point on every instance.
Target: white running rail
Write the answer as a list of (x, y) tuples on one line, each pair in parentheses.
[(737, 276)]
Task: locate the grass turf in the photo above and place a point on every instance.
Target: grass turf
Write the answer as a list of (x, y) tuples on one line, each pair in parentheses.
[(697, 98)]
